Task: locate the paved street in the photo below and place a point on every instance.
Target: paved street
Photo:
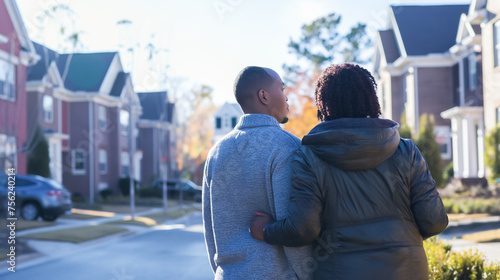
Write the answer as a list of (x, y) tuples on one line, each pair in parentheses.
[(174, 251)]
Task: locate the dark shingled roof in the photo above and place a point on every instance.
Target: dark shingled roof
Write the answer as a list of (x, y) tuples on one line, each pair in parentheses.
[(120, 81), (39, 70), (428, 29), (86, 71), (389, 45), (156, 107)]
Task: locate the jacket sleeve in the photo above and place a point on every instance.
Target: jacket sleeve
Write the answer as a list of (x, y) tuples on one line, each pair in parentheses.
[(426, 205), (207, 219), (302, 226)]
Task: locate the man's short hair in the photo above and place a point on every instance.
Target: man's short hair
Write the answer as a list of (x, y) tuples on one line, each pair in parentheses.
[(249, 81)]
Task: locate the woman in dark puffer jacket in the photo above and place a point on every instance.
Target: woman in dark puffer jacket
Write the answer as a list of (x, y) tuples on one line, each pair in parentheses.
[(362, 194)]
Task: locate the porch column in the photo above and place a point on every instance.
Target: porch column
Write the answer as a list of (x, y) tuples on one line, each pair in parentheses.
[(456, 138), (481, 172)]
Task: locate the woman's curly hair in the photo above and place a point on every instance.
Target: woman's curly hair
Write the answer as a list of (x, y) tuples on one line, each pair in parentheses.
[(346, 91)]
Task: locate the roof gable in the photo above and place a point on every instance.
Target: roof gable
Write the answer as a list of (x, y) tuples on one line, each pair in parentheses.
[(428, 29), (389, 45), (40, 69), (229, 108), (119, 84), (19, 27), (84, 71)]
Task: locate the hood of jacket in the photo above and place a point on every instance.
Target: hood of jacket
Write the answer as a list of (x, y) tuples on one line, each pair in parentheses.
[(353, 144)]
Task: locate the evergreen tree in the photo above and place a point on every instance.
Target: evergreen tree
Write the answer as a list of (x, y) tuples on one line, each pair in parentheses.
[(493, 154), (38, 156), (429, 148), (404, 129)]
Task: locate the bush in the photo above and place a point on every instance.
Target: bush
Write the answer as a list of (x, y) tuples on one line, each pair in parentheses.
[(77, 197), (471, 205), (124, 185), (151, 192), (448, 173), (106, 193), (446, 264)]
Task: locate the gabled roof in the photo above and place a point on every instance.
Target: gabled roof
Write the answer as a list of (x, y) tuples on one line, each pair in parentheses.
[(84, 71), (233, 108), (155, 106), (120, 81), (39, 70), (427, 30), (389, 45)]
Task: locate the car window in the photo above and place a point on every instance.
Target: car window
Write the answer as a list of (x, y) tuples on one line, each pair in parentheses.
[(3, 181), (20, 182), (54, 183)]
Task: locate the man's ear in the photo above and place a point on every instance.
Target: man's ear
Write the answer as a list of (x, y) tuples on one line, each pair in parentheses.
[(263, 97)]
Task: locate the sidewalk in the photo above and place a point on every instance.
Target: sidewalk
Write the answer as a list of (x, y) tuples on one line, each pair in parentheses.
[(48, 250), (457, 228)]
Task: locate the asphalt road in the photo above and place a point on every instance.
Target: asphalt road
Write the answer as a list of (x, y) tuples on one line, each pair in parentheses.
[(168, 252)]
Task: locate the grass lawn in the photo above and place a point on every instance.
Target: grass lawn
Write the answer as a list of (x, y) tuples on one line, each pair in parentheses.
[(483, 236), (155, 218), (455, 217), (24, 225), (77, 235)]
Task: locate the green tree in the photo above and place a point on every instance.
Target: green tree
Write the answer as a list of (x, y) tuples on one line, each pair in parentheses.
[(321, 44), (429, 148), (38, 155), (404, 129), (493, 154)]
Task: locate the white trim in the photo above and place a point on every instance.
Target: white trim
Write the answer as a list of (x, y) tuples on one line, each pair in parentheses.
[(17, 22), (417, 101), (91, 153), (56, 135), (8, 57), (3, 39), (461, 81), (399, 38)]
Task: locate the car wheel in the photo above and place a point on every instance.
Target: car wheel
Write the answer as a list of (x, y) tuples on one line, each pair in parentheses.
[(30, 211), (49, 218)]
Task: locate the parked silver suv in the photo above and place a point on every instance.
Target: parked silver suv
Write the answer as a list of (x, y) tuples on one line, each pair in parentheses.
[(36, 196)]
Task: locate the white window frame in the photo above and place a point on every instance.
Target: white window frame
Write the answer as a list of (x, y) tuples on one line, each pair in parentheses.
[(102, 118), (7, 76), (472, 71), (125, 162), (103, 161), (48, 108), (124, 115), (74, 161)]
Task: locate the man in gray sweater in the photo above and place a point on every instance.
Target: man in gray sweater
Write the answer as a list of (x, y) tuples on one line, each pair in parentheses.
[(248, 170)]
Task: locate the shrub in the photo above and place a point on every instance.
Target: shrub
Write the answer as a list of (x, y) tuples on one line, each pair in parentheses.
[(446, 264), (106, 193), (77, 197), (471, 205), (448, 173), (151, 192), (124, 185)]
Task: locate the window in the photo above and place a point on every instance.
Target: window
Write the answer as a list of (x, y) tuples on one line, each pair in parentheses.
[(103, 161), (234, 121), (78, 161), (24, 182), (102, 186), (125, 164), (443, 138), (48, 108), (496, 39), (218, 122), (102, 117), (472, 71), (226, 121), (7, 80), (124, 118)]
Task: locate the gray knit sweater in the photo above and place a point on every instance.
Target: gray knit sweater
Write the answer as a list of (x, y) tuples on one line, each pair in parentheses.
[(247, 171)]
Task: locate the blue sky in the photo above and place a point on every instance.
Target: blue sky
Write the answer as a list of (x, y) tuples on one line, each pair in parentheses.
[(205, 45)]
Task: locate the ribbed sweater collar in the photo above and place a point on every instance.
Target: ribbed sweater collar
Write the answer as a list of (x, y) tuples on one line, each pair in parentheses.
[(256, 120)]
